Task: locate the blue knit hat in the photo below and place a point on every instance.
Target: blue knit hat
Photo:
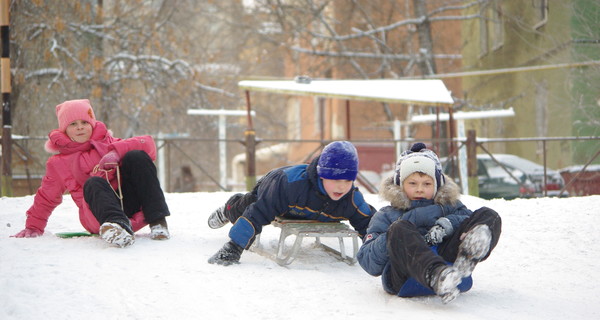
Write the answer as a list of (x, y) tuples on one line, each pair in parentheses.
[(419, 159), (338, 161)]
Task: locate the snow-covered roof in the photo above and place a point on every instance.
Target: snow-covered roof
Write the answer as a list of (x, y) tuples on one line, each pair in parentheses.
[(431, 92)]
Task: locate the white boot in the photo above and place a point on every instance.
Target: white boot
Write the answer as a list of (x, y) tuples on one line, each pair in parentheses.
[(473, 248), (444, 281), (159, 230), (116, 235), (217, 219)]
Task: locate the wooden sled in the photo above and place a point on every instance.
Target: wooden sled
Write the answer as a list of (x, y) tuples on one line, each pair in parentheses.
[(309, 228)]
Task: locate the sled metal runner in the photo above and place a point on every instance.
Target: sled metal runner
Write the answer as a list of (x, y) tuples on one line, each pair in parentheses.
[(309, 228)]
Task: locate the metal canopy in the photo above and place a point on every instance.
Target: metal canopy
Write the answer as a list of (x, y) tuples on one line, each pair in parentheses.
[(431, 92), (428, 92)]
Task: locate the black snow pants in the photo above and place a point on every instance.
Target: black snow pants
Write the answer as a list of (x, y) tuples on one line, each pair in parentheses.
[(237, 204), (141, 191), (410, 256)]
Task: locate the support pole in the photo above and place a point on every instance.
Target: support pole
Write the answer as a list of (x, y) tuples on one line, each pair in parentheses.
[(222, 151), (472, 163), (462, 159), (348, 129), (250, 135), (397, 137), (5, 79)]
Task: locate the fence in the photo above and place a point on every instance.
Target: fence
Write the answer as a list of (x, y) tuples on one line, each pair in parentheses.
[(221, 165)]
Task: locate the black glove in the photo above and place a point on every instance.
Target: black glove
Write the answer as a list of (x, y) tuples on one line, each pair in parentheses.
[(229, 254), (441, 229)]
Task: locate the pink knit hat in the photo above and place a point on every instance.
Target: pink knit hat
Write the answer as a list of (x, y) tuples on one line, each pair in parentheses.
[(73, 110)]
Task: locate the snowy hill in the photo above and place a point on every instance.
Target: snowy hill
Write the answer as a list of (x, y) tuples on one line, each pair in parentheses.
[(544, 267)]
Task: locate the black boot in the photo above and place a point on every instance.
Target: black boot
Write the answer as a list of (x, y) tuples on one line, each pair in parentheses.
[(229, 254)]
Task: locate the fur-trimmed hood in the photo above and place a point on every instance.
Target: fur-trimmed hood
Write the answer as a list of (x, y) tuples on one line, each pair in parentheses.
[(448, 194)]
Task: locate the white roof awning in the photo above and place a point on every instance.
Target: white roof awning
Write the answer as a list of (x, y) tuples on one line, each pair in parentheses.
[(424, 92)]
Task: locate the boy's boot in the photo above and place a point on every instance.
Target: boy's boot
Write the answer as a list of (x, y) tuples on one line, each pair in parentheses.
[(217, 219), (116, 234), (472, 249), (159, 230), (229, 254), (444, 280)]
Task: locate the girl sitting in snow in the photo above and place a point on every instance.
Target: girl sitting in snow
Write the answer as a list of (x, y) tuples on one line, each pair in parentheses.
[(413, 242), (110, 179)]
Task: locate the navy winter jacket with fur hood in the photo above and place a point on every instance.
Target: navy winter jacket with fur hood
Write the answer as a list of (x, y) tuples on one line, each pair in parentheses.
[(297, 192), (373, 256)]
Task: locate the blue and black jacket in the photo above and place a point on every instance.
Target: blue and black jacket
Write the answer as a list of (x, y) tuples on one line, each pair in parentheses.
[(373, 255), (297, 192)]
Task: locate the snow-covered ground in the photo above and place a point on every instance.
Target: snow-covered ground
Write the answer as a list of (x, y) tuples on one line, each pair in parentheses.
[(546, 266)]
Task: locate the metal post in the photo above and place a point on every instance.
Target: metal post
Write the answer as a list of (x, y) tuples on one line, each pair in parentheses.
[(250, 147), (472, 163), (545, 181), (5, 85), (222, 150), (348, 120), (462, 159), (397, 137), (162, 170)]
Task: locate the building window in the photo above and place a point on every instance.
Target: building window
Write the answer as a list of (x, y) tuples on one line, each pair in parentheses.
[(540, 9)]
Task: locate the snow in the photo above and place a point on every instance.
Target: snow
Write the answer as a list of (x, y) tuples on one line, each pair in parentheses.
[(422, 91), (544, 267), (575, 169)]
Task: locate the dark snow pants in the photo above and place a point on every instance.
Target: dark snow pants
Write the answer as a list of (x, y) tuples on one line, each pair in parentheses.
[(237, 204), (141, 191), (410, 256)]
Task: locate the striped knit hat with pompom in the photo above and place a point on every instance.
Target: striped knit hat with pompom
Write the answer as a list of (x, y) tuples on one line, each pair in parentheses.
[(419, 159)]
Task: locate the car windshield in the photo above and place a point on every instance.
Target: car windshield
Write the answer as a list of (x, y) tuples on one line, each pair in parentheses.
[(495, 171)]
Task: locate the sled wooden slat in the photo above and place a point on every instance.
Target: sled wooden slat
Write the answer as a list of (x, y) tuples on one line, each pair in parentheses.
[(311, 228)]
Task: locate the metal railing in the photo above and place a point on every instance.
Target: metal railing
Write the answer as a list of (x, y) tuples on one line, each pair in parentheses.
[(176, 152)]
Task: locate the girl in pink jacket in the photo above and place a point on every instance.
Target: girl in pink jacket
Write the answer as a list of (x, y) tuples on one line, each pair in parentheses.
[(113, 181)]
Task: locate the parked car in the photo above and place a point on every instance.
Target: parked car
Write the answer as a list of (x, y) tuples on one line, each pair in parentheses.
[(496, 182)]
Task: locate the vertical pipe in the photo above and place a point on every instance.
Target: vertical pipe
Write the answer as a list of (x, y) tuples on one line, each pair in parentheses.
[(250, 147), (397, 137), (451, 125), (545, 181), (162, 162), (472, 163), (5, 87), (348, 120), (222, 151), (321, 120), (462, 159), (437, 131)]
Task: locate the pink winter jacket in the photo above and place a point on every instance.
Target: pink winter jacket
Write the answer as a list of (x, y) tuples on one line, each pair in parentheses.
[(72, 166)]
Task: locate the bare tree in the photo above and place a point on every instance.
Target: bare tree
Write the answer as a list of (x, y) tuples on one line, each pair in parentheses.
[(142, 63)]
